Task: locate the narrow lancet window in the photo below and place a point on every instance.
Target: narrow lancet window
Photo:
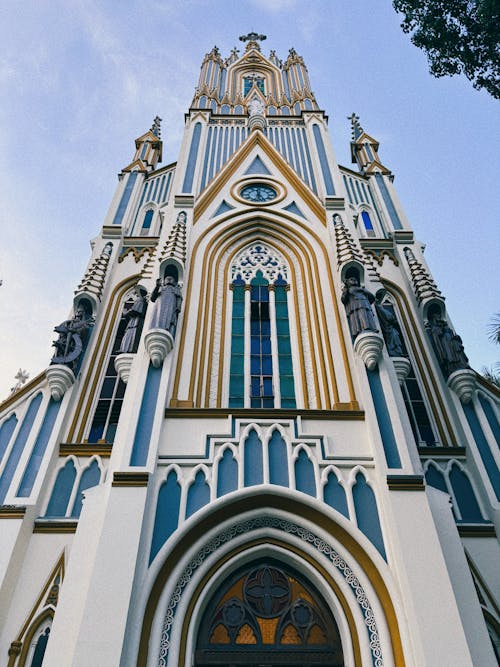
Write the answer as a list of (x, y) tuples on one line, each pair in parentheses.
[(261, 366)]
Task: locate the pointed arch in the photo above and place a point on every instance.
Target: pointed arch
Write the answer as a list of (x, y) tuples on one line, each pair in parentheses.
[(465, 497), (167, 512), (90, 476), (417, 350), (434, 476), (198, 492), (39, 618), (367, 515), (316, 331), (227, 471), (334, 493), (62, 489), (278, 459), (305, 477), (253, 472), (96, 362), (206, 534)]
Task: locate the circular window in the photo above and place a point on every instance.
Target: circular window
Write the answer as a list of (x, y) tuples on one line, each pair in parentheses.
[(258, 193)]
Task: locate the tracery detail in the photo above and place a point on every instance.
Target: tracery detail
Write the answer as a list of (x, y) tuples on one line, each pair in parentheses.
[(259, 257)]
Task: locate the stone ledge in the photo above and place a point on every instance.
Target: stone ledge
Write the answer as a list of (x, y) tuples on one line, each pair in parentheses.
[(263, 413), (476, 530), (12, 511), (405, 482), (130, 478), (439, 452), (55, 526), (82, 449)]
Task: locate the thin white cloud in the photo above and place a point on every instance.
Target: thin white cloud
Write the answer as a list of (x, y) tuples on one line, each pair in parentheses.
[(274, 6)]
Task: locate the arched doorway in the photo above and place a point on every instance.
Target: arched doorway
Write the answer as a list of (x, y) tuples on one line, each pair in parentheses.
[(267, 614)]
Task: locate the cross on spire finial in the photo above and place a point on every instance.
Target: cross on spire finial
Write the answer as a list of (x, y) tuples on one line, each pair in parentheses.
[(252, 37), (356, 128), (156, 127)]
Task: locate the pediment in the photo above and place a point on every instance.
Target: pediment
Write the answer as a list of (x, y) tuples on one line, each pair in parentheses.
[(257, 150)]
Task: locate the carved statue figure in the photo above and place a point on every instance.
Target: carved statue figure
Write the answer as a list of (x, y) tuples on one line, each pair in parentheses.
[(390, 327), (255, 107), (135, 319), (447, 345), (357, 301), (181, 218), (168, 300), (72, 335)]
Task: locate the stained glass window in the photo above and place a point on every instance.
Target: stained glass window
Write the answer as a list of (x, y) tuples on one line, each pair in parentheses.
[(266, 614), (260, 332)]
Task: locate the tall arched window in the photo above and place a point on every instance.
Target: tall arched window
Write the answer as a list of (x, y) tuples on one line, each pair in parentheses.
[(416, 407), (268, 614), (109, 404), (146, 223), (261, 367)]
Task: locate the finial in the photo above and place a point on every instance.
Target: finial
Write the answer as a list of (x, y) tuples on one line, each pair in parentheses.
[(253, 39), (21, 378), (156, 127), (356, 128)]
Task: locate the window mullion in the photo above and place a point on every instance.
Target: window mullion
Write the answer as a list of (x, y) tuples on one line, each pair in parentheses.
[(247, 383), (274, 347)]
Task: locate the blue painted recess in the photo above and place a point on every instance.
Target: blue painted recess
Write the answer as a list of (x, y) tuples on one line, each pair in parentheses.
[(191, 163), (6, 430), (388, 201), (334, 495), (491, 417), (38, 451), (167, 513), (384, 420), (18, 447), (304, 474), (327, 177), (227, 474), (253, 459), (257, 167), (61, 493), (198, 494), (465, 496), (146, 417), (293, 208), (278, 460), (125, 198), (484, 448), (224, 207), (90, 477), (365, 505), (435, 478)]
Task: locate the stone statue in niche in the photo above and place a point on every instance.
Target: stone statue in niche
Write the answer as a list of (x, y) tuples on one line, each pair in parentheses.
[(357, 301), (389, 326), (134, 317), (447, 345), (72, 336), (181, 218), (167, 298)]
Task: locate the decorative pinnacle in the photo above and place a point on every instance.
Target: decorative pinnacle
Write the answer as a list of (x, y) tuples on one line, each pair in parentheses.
[(356, 128), (252, 37), (156, 127)]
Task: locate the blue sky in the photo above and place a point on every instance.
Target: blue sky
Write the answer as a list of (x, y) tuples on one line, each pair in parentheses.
[(80, 80)]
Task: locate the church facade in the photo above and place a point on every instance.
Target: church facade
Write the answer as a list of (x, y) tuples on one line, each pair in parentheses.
[(259, 441)]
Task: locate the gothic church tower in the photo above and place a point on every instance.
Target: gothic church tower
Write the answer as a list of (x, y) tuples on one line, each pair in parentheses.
[(259, 441)]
